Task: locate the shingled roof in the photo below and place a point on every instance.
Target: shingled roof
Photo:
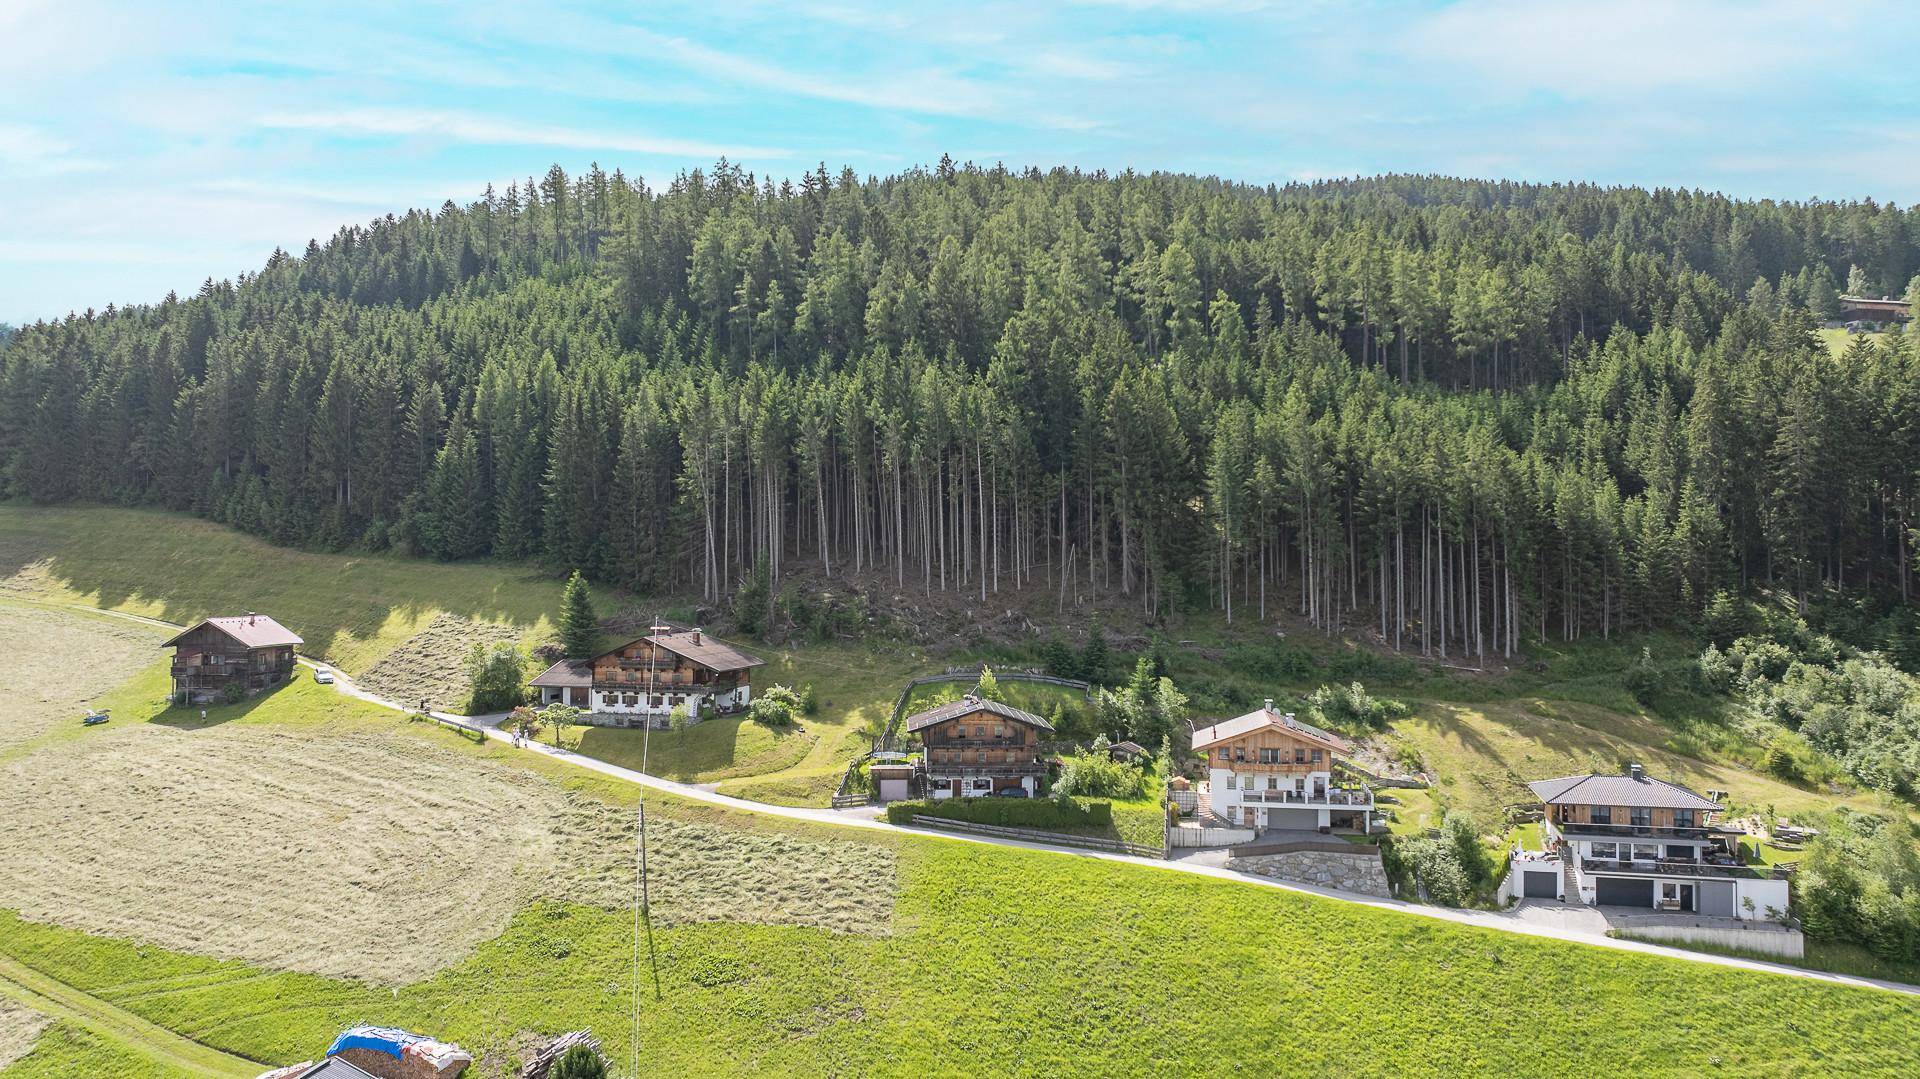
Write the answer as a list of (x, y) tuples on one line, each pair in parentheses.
[(1627, 790), (1266, 717), (251, 630), (706, 651), (967, 706), (567, 672)]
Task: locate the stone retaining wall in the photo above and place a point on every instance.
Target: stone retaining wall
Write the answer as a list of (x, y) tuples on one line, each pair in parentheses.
[(1348, 872)]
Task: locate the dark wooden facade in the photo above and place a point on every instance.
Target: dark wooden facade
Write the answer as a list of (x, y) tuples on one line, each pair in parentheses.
[(208, 659)]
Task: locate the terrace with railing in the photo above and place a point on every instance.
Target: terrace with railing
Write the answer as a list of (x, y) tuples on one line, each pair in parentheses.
[(1338, 796)]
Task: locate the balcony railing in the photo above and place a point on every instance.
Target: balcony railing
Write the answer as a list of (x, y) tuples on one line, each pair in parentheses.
[(974, 768), (1630, 831), (1339, 796), (1671, 868)]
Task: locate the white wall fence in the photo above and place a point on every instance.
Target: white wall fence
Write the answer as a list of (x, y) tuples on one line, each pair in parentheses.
[(1198, 835), (1760, 938)]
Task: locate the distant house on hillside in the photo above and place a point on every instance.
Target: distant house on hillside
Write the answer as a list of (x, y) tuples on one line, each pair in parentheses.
[(976, 748), (1637, 841), (248, 651), (1267, 769), (643, 680), (1885, 309)]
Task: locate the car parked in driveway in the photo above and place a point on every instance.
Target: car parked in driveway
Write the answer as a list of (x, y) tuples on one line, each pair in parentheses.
[(323, 677), (1010, 792)]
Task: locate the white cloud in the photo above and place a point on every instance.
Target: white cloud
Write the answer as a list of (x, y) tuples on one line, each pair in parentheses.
[(31, 150), (1628, 48), (464, 127)]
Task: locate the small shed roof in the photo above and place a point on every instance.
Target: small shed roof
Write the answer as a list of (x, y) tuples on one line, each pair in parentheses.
[(251, 630), (567, 672), (1266, 717), (967, 706)]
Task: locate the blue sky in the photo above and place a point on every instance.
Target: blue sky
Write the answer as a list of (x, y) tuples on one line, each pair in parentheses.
[(144, 150)]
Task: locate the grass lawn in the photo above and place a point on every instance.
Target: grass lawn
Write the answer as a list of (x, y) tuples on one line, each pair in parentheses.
[(1062, 965), (702, 753), (351, 609)]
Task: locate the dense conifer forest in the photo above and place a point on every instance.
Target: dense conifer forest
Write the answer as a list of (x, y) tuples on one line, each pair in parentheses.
[(1457, 414)]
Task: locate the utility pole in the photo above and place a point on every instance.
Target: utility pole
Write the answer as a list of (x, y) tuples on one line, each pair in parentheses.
[(642, 912)]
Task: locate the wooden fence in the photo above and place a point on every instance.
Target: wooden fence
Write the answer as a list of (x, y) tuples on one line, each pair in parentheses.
[(1034, 835)]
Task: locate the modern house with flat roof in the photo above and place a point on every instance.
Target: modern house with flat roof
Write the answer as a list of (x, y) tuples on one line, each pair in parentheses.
[(1636, 841), (1267, 769)]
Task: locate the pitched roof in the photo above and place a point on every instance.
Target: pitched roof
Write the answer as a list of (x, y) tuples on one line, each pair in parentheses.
[(698, 646), (967, 706), (1643, 790), (1266, 717), (251, 630), (567, 672)]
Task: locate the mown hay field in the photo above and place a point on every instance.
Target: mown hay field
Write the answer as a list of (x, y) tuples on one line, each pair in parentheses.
[(20, 1027)]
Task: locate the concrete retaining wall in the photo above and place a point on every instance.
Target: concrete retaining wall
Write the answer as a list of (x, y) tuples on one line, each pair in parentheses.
[(1772, 940)]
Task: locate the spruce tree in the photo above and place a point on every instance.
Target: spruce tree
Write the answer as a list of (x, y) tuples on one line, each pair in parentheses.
[(579, 629)]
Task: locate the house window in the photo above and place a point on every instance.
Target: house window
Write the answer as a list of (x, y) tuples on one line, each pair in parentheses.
[(1646, 852), (1640, 817), (632, 700), (1316, 756), (1224, 755), (1683, 818), (1299, 755), (979, 732), (1230, 779), (1600, 814), (1606, 851), (999, 731)]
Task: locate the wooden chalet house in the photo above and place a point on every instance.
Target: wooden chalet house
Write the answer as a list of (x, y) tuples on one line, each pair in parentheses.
[(643, 680), (250, 651), (1637, 841), (1267, 769), (975, 748)]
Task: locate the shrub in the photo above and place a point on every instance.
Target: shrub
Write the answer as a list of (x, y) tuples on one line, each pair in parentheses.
[(1725, 619), (1058, 659), (1714, 671), (753, 602), (1354, 708), (232, 693), (1094, 658), (497, 676), (1643, 678), (579, 1062), (1097, 775), (778, 707), (1780, 763)]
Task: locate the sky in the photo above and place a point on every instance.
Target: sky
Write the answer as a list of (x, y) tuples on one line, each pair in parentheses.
[(147, 147)]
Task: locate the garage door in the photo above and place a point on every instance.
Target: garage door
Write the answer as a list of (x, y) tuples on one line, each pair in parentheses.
[(1540, 885), (893, 790), (1307, 819), (1716, 898), (1624, 892)]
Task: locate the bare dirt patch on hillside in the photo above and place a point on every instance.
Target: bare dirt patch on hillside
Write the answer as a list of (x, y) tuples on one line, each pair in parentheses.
[(369, 855), (432, 664), (20, 1027), (53, 662)]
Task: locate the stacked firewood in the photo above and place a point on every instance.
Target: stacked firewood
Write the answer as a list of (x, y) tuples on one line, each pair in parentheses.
[(543, 1060)]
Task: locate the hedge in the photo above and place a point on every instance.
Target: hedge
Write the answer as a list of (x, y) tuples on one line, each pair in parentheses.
[(1050, 814)]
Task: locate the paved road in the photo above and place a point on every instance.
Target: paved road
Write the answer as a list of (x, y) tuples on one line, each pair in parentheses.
[(1501, 921)]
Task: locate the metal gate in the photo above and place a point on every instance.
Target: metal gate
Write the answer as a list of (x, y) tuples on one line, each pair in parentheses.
[(1623, 891)]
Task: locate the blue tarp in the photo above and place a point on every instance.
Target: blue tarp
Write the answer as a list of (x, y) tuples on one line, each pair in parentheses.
[(379, 1039)]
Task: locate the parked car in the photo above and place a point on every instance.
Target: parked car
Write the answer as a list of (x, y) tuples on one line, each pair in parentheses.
[(1011, 792), (325, 678)]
